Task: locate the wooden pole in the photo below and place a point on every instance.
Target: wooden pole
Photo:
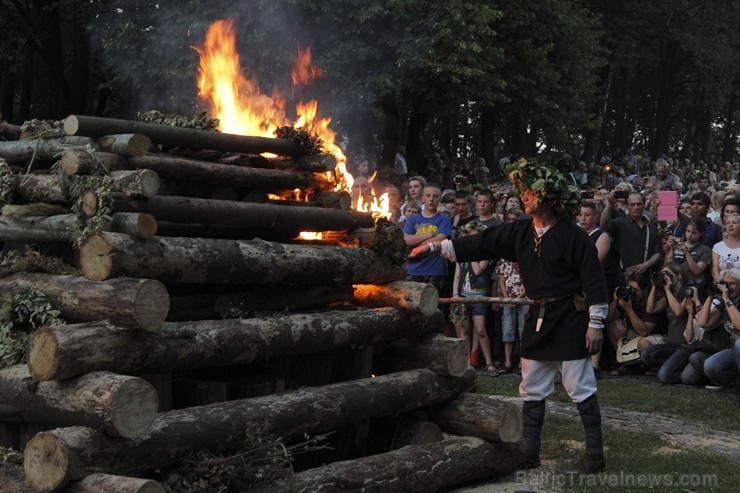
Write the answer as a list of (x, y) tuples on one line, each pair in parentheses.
[(59, 352), (131, 303), (122, 406), (404, 295), (201, 260), (22, 151), (443, 355), (92, 126), (55, 457)]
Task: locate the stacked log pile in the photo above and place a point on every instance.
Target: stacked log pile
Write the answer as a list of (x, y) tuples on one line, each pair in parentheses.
[(196, 311)]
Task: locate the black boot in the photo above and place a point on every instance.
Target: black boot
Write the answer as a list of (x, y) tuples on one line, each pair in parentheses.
[(533, 416), (594, 460)]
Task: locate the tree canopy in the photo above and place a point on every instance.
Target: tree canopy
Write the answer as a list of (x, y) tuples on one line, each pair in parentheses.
[(592, 78)]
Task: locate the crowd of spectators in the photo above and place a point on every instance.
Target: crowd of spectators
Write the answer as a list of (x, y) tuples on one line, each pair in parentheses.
[(672, 266)]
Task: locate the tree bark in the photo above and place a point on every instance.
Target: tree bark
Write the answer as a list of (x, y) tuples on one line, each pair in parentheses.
[(215, 174), (248, 216), (403, 295), (46, 188), (63, 227), (69, 350), (22, 151), (280, 299), (416, 468), (108, 483), (131, 303), (200, 260), (443, 355), (128, 145), (178, 136), (8, 131), (481, 416), (55, 457), (121, 406)]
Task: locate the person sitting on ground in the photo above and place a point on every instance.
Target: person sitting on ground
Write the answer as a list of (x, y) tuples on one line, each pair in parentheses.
[(722, 368), (666, 296), (628, 317)]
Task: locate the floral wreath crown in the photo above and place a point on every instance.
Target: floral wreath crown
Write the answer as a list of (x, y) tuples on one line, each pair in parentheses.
[(548, 184)]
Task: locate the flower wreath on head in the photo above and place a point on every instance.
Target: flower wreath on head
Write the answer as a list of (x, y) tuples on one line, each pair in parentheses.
[(548, 184)]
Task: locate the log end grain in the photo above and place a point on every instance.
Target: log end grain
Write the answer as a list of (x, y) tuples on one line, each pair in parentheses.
[(45, 462), (42, 358), (96, 257), (457, 359), (71, 125), (147, 225), (429, 300), (89, 200), (151, 305), (139, 144), (133, 408), (149, 183)]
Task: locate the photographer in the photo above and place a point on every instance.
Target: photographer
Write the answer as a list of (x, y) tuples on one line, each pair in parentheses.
[(666, 296), (628, 317), (721, 368), (693, 256)]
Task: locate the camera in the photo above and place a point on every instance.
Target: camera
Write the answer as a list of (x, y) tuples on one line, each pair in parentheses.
[(659, 278), (626, 293), (586, 194), (687, 293), (621, 194), (711, 289)]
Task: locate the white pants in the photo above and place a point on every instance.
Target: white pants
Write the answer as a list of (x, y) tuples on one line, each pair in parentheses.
[(538, 379)]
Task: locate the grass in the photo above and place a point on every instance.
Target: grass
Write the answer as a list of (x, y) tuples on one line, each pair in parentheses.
[(636, 462)]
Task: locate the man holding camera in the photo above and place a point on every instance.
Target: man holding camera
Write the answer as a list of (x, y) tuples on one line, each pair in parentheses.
[(561, 271), (628, 317)]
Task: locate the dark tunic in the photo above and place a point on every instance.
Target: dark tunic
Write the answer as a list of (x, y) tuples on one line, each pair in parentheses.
[(568, 264)]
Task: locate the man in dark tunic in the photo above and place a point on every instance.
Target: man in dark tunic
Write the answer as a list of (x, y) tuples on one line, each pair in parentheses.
[(561, 271)]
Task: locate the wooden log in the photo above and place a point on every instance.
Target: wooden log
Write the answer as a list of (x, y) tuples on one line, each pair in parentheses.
[(46, 188), (224, 232), (121, 406), (22, 151), (280, 299), (63, 227), (316, 163), (443, 355), (200, 260), (69, 350), (130, 303), (416, 468), (109, 483), (82, 162), (265, 217), (482, 416), (55, 457), (179, 136), (214, 174), (248, 160), (128, 145), (405, 295), (8, 131), (413, 432)]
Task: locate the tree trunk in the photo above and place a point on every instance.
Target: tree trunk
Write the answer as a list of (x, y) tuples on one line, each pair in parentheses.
[(481, 416), (8, 131), (64, 227), (215, 174), (54, 457), (443, 355), (131, 303), (729, 142), (200, 260), (247, 216), (284, 298), (47, 188), (92, 126), (404, 295), (416, 468), (127, 145), (108, 483), (69, 350), (81, 162), (121, 406), (22, 151), (316, 163)]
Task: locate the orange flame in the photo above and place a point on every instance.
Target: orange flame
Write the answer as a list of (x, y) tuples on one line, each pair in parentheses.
[(243, 109)]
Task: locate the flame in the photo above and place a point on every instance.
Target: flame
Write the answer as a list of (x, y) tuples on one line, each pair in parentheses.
[(243, 109)]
